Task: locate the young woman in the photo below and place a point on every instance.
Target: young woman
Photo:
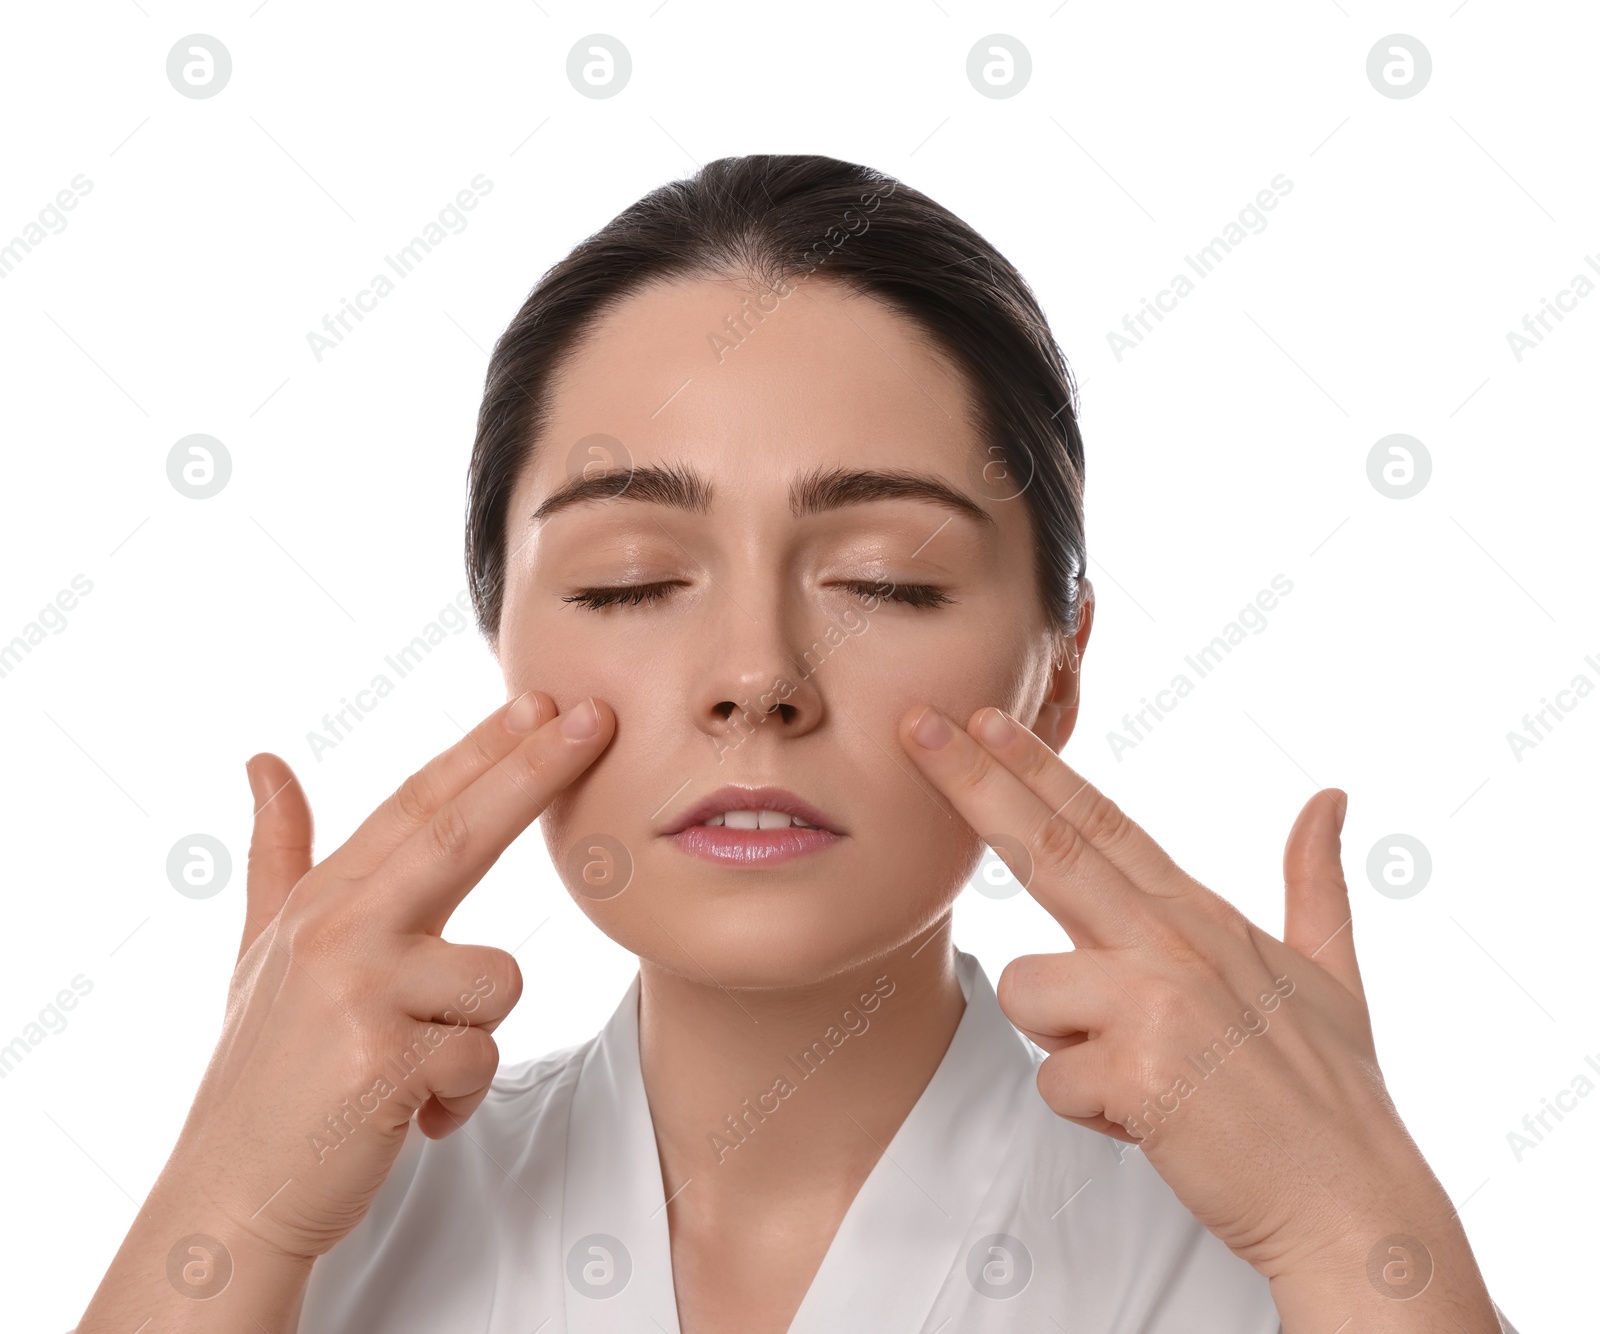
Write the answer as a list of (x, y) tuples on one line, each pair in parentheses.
[(775, 527)]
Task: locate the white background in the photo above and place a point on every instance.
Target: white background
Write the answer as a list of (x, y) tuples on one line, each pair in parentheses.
[(1229, 447)]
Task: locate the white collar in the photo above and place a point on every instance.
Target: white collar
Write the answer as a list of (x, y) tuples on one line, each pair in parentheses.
[(911, 1214)]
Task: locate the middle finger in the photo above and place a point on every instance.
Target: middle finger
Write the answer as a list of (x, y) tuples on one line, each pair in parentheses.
[(1092, 900), (1073, 798)]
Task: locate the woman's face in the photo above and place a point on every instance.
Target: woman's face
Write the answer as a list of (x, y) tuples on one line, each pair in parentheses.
[(795, 615)]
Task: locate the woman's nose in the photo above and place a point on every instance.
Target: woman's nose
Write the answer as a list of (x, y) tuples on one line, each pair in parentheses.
[(756, 689)]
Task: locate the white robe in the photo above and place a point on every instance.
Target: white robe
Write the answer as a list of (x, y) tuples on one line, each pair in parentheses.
[(987, 1212)]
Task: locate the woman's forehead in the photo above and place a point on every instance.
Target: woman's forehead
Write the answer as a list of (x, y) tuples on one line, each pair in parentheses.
[(748, 385)]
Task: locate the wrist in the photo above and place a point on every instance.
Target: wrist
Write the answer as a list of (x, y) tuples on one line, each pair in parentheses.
[(185, 1264), (1405, 1269)]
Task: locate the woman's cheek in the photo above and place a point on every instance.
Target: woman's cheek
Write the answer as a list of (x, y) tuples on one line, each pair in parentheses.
[(958, 676)]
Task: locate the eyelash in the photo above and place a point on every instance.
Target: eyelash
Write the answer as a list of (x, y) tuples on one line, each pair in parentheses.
[(631, 595), (920, 596)]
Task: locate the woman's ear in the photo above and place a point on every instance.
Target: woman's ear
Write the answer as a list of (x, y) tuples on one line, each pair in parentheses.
[(1058, 714)]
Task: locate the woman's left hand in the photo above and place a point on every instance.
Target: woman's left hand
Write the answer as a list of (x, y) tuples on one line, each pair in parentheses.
[(1243, 1065)]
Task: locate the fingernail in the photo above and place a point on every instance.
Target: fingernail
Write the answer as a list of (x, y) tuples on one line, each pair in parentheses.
[(582, 721), (255, 783), (995, 729), (523, 714), (931, 731)]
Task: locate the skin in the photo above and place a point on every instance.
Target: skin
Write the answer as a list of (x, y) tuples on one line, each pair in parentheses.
[(739, 967), (341, 968), (344, 958)]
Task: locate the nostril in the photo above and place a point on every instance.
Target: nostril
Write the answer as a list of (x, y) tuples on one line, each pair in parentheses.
[(726, 710)]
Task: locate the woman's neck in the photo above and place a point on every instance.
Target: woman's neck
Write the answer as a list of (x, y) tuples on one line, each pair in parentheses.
[(788, 1097)]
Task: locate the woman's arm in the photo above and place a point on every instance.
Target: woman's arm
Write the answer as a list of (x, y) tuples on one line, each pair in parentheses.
[(1243, 1065), (1367, 1282), (185, 1266)]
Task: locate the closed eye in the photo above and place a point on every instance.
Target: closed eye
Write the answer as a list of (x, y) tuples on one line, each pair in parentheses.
[(910, 595), (624, 595), (636, 595)]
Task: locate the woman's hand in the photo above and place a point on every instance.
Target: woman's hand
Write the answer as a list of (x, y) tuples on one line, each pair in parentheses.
[(347, 1012), (1243, 1065)]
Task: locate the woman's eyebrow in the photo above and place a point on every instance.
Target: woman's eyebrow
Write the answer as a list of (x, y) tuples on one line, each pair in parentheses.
[(679, 486), (676, 485), (835, 488)]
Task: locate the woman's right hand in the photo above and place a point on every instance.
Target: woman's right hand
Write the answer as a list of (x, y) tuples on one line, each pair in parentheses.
[(347, 1013)]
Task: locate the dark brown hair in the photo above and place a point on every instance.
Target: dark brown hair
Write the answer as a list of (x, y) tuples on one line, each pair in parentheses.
[(778, 218)]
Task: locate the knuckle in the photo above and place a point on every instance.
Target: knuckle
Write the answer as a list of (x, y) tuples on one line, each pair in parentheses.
[(1059, 845), (482, 755), (1218, 912), (1180, 945), (1104, 823), (1037, 763), (1236, 923), (476, 1054), (449, 831), (1068, 1079), (1028, 974), (1050, 1079), (504, 976), (488, 1054), (413, 800), (528, 768), (1014, 985), (514, 981), (271, 865), (318, 936), (270, 855)]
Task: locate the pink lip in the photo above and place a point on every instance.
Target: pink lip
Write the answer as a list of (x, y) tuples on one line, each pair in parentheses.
[(751, 847), (734, 798)]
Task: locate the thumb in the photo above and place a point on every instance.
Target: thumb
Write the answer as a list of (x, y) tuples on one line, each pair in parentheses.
[(1316, 901), (280, 842)]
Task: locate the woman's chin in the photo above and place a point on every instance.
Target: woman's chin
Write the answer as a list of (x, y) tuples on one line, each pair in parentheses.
[(763, 942)]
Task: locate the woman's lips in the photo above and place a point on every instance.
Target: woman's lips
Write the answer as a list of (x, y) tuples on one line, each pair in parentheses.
[(751, 847), (736, 797), (729, 842)]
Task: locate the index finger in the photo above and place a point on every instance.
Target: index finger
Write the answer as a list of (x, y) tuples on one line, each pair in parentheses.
[(428, 875), (411, 805), (1073, 798), (1095, 903)]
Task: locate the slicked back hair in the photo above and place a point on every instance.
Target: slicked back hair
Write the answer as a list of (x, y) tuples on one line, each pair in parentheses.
[(781, 219)]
